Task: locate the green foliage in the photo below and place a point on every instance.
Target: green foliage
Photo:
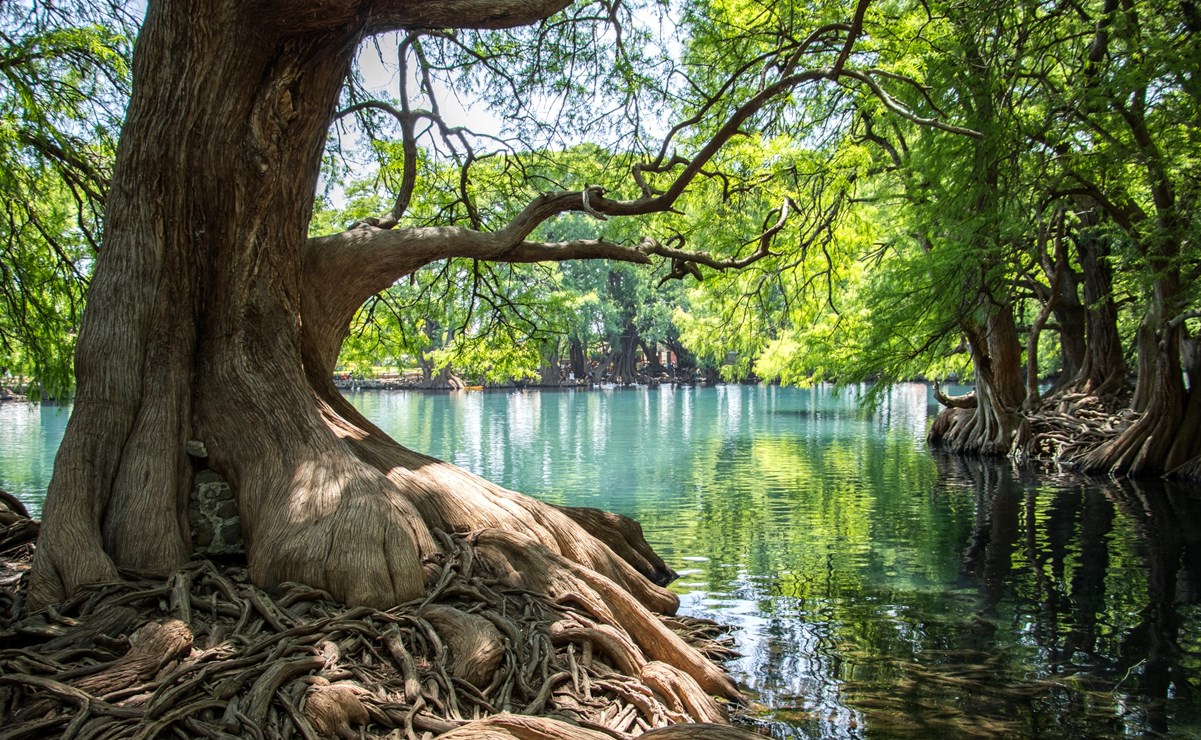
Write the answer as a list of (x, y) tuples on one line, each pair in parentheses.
[(886, 238), (945, 228), (62, 87)]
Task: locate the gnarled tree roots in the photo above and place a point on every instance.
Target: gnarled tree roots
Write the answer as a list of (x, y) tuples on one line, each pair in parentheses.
[(1068, 427), (511, 641), (1090, 432)]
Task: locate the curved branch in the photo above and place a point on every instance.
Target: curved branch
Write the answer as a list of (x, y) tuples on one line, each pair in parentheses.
[(733, 125), (792, 53), (852, 35), (895, 107), (408, 182), (966, 401), (1181, 318)]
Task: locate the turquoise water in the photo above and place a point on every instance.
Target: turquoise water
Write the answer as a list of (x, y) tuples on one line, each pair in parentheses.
[(879, 590), (29, 438)]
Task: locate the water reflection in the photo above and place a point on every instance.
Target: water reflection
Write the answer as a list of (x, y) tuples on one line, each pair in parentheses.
[(1065, 619), (879, 590)]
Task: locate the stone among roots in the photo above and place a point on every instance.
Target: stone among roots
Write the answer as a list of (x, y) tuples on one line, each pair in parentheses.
[(213, 516)]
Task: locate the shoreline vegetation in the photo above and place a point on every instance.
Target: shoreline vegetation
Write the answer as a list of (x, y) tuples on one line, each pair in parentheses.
[(1064, 427)]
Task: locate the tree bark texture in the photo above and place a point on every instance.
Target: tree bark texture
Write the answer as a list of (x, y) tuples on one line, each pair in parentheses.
[(550, 372), (990, 425), (577, 358), (623, 369), (194, 323), (1104, 368), (442, 379), (1154, 443)]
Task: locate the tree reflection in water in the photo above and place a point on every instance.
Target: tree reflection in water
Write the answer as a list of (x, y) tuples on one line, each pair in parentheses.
[(1081, 616)]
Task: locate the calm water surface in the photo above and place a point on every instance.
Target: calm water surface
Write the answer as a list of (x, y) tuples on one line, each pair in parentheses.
[(879, 590)]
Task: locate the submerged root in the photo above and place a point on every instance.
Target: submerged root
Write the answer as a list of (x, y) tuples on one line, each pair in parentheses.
[(207, 654)]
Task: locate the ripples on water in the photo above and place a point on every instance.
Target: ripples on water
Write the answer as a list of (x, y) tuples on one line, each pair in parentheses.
[(879, 590)]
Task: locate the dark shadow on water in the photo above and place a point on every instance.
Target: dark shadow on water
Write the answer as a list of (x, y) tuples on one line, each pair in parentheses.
[(1107, 621), (1073, 611)]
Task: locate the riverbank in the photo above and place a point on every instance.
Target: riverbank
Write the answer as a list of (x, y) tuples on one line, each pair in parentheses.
[(206, 653), (398, 381)]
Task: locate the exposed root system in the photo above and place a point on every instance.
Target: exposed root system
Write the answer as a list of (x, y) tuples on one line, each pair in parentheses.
[(1069, 426), (207, 654)]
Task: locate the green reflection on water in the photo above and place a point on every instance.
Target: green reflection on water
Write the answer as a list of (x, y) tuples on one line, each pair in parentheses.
[(879, 590)]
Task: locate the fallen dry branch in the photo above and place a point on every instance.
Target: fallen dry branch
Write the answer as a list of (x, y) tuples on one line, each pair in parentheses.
[(207, 654)]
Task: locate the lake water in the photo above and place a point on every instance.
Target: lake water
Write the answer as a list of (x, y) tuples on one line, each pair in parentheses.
[(879, 590)]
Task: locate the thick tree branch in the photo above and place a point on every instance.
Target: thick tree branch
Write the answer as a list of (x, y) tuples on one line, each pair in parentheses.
[(379, 16), (367, 260), (396, 253), (420, 14), (1181, 318), (966, 401), (852, 35)]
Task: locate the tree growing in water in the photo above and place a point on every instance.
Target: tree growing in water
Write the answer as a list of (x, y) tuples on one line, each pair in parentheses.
[(1069, 224)]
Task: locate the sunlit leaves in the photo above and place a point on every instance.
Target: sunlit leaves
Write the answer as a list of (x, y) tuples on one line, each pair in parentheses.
[(885, 238), (63, 79)]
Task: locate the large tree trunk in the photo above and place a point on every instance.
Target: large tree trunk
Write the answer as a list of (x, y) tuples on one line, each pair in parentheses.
[(623, 366), (1153, 443), (1104, 368), (444, 379), (432, 377), (1072, 318), (685, 362), (1060, 299), (578, 358), (989, 426), (212, 318), (550, 372), (651, 351), (1185, 458), (598, 373), (193, 322)]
